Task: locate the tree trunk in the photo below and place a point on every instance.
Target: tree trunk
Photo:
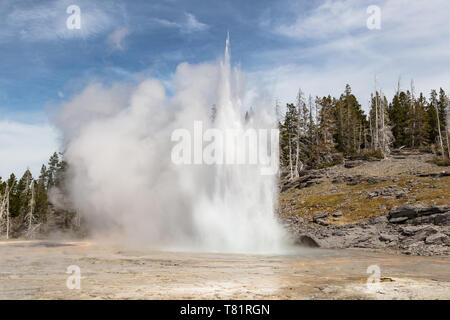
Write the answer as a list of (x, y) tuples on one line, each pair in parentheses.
[(291, 173), (414, 114), (439, 130), (446, 136), (32, 203)]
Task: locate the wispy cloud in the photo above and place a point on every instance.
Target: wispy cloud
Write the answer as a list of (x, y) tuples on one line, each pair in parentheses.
[(189, 24), (25, 146), (331, 45), (115, 38), (47, 21), (192, 24)]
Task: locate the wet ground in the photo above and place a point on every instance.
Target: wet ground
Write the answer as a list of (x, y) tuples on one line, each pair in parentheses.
[(37, 270)]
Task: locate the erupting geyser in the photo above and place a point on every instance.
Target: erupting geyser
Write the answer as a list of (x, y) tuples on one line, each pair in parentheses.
[(122, 179)]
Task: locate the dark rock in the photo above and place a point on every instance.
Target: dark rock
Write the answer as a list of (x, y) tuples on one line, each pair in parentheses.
[(437, 238), (322, 222), (378, 220), (398, 220), (371, 180), (387, 237), (372, 195), (320, 215), (352, 164), (337, 213), (412, 230), (434, 175), (304, 181), (338, 180), (439, 219), (414, 210), (417, 233), (307, 241)]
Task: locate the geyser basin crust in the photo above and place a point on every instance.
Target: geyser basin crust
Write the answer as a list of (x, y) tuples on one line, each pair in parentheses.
[(118, 273)]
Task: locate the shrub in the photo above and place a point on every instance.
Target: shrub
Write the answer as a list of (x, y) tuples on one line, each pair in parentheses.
[(441, 162)]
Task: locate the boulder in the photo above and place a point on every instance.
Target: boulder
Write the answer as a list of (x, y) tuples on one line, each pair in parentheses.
[(398, 220), (387, 237), (337, 213), (412, 211), (307, 241), (352, 164), (437, 238), (417, 233), (439, 219), (320, 215)]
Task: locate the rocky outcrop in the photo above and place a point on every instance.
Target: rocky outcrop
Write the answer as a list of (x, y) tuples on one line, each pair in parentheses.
[(420, 214), (388, 192), (434, 174), (357, 179), (308, 179), (410, 229)]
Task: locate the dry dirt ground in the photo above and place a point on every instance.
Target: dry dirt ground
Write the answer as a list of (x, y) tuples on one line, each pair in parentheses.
[(37, 270)]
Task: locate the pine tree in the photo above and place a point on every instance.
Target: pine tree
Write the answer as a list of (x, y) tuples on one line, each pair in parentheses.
[(326, 124), (421, 126), (349, 116), (41, 205), (52, 170), (400, 114)]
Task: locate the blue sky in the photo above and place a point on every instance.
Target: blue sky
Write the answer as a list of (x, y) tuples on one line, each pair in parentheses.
[(281, 45)]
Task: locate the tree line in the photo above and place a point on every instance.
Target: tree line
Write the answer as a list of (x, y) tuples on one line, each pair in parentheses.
[(314, 133), (321, 131), (24, 202)]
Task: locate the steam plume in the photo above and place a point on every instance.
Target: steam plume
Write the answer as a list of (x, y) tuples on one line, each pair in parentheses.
[(118, 147)]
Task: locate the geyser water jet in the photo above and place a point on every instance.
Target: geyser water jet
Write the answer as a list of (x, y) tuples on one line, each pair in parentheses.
[(122, 176)]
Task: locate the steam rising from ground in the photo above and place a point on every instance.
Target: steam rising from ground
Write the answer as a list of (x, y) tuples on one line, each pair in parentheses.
[(118, 145)]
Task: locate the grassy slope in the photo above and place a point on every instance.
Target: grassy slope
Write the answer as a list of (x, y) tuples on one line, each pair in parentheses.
[(353, 200)]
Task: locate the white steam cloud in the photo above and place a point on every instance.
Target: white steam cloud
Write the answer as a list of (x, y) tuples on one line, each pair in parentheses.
[(118, 146)]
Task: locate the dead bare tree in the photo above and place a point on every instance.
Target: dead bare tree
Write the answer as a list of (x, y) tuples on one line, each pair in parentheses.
[(1, 213), (291, 167), (447, 127), (376, 141), (439, 131), (301, 130), (413, 103), (386, 133), (30, 217), (4, 212)]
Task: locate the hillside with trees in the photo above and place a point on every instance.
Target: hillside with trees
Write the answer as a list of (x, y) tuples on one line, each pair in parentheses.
[(322, 131), (26, 207)]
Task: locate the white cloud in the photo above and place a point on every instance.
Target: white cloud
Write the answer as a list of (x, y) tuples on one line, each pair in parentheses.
[(333, 46), (25, 146), (115, 38), (192, 24), (46, 22), (331, 18), (189, 25)]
